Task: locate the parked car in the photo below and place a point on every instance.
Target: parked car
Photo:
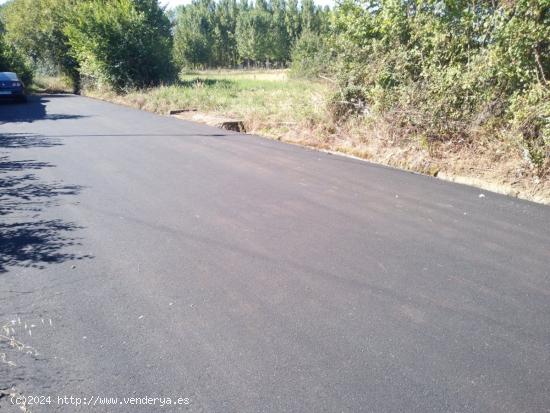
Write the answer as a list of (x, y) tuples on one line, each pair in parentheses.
[(11, 87)]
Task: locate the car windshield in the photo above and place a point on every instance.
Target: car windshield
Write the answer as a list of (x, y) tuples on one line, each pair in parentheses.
[(8, 76)]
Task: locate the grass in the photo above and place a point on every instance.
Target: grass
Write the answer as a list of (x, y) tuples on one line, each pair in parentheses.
[(51, 84), (239, 74), (292, 110), (266, 100)]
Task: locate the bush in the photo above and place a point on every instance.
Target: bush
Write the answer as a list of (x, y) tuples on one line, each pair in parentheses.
[(35, 29), (311, 56), (531, 125), (121, 44), (12, 61), (447, 71)]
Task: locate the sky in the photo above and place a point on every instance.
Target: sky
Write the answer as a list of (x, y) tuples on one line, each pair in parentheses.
[(174, 3)]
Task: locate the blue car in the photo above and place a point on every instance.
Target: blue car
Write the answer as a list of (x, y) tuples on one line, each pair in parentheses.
[(11, 87)]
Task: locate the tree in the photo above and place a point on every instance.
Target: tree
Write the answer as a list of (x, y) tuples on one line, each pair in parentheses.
[(308, 17), (35, 29), (193, 35), (121, 43), (12, 61), (254, 34), (292, 21), (280, 37), (224, 37), (212, 33)]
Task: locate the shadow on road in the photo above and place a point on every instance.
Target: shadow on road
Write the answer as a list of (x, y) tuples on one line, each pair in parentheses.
[(33, 110), (26, 238), (26, 140)]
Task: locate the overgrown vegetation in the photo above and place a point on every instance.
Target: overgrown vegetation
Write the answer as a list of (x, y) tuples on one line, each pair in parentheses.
[(441, 71), (266, 100), (11, 60), (36, 29), (118, 44), (51, 84), (311, 56)]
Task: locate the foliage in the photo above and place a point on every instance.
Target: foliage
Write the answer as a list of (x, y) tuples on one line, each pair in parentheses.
[(227, 33), (35, 28), (445, 70), (131, 43), (11, 60), (253, 35), (121, 43), (311, 56), (44, 83), (531, 122)]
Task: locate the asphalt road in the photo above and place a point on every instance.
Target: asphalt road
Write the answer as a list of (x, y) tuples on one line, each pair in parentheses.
[(151, 257)]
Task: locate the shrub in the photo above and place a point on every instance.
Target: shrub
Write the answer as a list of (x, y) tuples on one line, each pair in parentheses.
[(121, 43), (531, 126), (445, 71), (311, 56), (35, 29), (13, 61)]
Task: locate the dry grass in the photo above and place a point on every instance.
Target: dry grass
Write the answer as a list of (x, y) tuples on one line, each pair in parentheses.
[(253, 74), (51, 84), (267, 102), (295, 111)]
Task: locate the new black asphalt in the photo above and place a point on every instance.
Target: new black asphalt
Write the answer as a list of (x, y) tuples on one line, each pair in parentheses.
[(144, 256)]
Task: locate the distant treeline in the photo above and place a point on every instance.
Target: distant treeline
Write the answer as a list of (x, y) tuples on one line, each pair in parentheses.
[(210, 33)]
